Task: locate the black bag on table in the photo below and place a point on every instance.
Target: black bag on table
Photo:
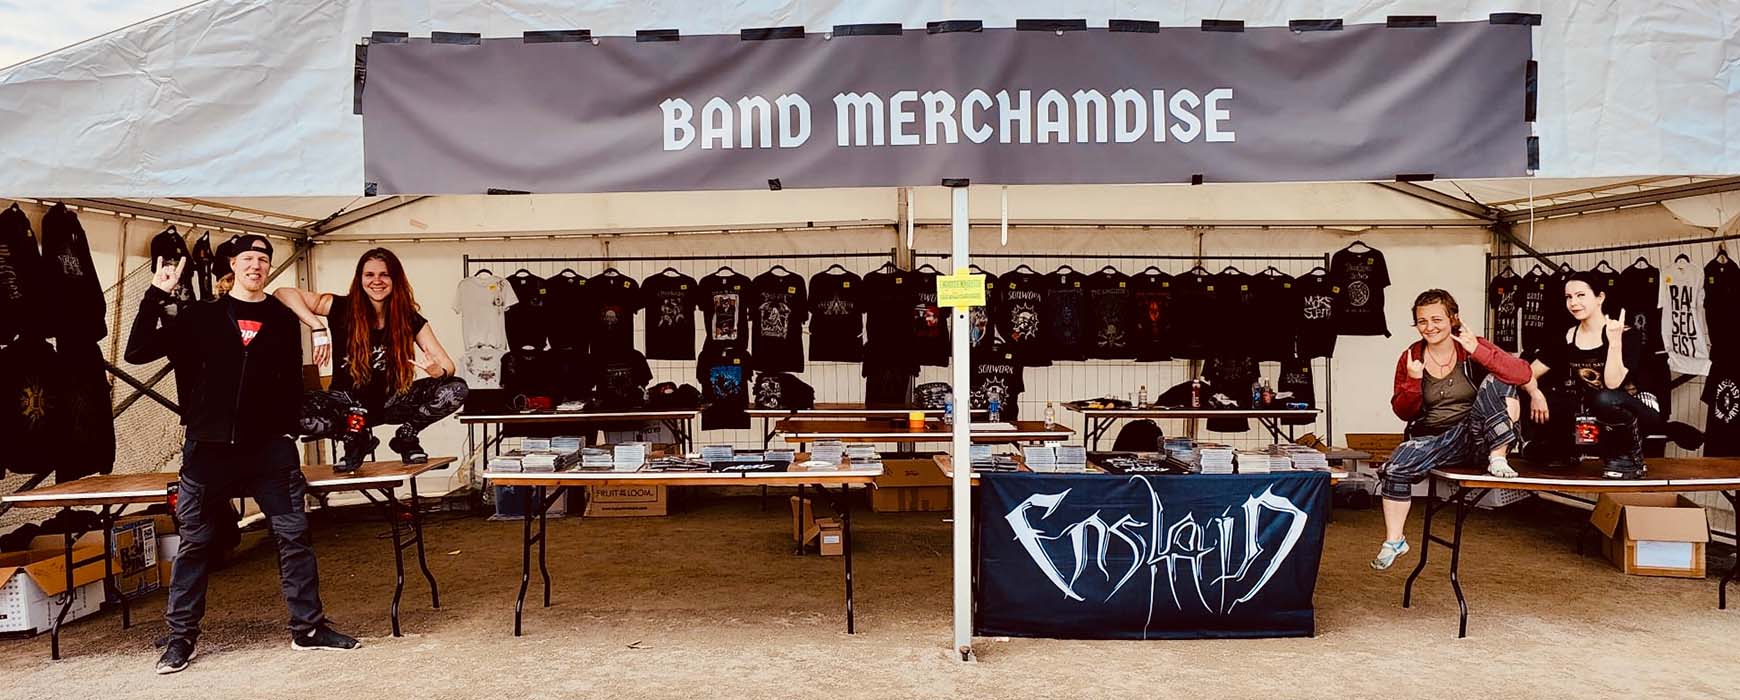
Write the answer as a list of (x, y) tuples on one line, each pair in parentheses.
[(1139, 436)]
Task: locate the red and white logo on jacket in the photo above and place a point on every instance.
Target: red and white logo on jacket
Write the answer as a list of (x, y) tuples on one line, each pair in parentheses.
[(249, 329)]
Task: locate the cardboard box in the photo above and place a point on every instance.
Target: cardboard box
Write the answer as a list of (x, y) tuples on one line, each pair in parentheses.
[(512, 502), (626, 501), (1380, 445), (135, 541), (803, 520), (31, 583), (909, 485), (833, 537), (1653, 534)]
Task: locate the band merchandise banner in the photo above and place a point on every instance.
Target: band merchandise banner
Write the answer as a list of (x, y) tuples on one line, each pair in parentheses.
[(998, 106), (1093, 556)]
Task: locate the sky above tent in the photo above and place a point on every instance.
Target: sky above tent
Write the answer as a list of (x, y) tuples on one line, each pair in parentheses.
[(30, 28)]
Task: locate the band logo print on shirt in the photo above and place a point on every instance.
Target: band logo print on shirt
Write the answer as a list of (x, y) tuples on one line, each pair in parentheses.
[(248, 329)]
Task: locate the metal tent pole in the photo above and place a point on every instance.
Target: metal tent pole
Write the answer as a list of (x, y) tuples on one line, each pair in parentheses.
[(959, 450)]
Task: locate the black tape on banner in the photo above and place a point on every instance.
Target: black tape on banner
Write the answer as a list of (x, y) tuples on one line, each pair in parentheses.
[(497, 190), (1140, 26), (389, 37), (1314, 25), (459, 38), (358, 76), (1223, 25), (1533, 90), (1196, 179), (1414, 177), (1051, 25), (769, 33), (646, 35), (1523, 18), (1534, 153), (877, 29), (773, 184), (369, 188), (956, 182), (955, 25), (1412, 21), (557, 36)]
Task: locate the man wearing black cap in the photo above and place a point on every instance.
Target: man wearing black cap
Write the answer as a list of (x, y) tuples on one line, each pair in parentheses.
[(241, 359)]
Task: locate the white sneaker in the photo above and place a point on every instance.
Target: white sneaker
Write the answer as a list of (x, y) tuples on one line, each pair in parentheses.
[(1500, 467), (1387, 554)]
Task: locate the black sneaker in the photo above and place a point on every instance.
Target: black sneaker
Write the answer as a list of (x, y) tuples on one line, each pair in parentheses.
[(322, 638), (357, 447), (409, 449), (1622, 468), (176, 655)]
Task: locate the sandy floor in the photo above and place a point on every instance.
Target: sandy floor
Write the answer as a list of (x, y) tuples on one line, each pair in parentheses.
[(711, 602)]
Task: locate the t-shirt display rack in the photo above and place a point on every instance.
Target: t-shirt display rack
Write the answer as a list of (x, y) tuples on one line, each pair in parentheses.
[(1094, 378), (1692, 395)]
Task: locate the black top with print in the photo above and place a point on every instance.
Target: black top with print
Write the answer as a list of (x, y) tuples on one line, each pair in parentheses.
[(723, 371), (997, 374), (1296, 386), (1235, 297), (1639, 293), (525, 320), (622, 376), (1190, 329), (1275, 321), (781, 305), (1315, 328), (1020, 315), (888, 300), (981, 328), (1722, 422), (1578, 371), (671, 299), (836, 318), (724, 302), (1111, 333), (1150, 302), (567, 311), (1502, 297), (1558, 317), (930, 322), (1722, 308), (1535, 300), (1065, 312), (1358, 281), (615, 298), (1607, 282)]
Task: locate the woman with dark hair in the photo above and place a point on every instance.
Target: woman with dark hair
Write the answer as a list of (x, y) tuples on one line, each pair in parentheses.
[(1457, 391), (1599, 386), (375, 335)]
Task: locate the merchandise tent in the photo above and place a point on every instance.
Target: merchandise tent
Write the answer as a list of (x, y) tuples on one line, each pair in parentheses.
[(249, 115)]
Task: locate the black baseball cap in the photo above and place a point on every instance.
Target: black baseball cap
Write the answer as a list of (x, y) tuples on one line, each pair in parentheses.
[(245, 242)]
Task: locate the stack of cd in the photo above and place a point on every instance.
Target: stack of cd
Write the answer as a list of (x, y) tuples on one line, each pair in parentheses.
[(863, 455), (1255, 462), (504, 463), (1215, 459), (595, 458)]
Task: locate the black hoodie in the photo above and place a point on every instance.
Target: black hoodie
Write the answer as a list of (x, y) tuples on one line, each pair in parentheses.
[(231, 391)]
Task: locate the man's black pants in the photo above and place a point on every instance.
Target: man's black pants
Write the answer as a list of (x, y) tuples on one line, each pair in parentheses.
[(270, 473)]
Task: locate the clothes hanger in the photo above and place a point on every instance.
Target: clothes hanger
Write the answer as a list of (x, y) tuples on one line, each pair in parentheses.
[(1024, 268), (670, 272), (927, 267), (1722, 252), (1110, 269), (724, 271), (1603, 264), (1316, 271), (1198, 271), (1682, 258), (1642, 263), (1537, 270), (1064, 270), (1359, 244), (611, 272), (1270, 271), (568, 272), (1151, 270), (975, 268), (1232, 270), (780, 270), (522, 273), (888, 267), (1566, 268), (835, 268), (482, 271), (1507, 272)]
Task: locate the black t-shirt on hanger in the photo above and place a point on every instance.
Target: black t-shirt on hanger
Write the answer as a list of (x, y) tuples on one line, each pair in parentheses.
[(1065, 312), (1607, 282), (1639, 292), (615, 298), (1722, 422), (836, 319), (1274, 319), (981, 327), (1558, 317), (723, 371), (1110, 331), (930, 322), (622, 376), (1233, 378), (567, 311), (1150, 308), (1502, 295), (724, 302), (1020, 315), (1296, 386), (1358, 280), (1234, 298), (525, 320), (671, 299), (1722, 307), (997, 374), (781, 305), (1535, 299), (889, 297), (1315, 328), (1192, 323)]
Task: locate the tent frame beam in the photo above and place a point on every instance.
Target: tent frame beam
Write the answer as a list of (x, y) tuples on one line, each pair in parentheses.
[(184, 216), (360, 214), (1631, 199), (1447, 201)]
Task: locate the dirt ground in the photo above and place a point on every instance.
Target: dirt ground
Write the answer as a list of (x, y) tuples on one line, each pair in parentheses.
[(710, 601)]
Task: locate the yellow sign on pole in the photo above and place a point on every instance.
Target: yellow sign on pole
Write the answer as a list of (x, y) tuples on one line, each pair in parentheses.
[(960, 290)]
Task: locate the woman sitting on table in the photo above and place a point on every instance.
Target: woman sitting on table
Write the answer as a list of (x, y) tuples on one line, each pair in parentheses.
[(1598, 385), (378, 320), (1457, 391)]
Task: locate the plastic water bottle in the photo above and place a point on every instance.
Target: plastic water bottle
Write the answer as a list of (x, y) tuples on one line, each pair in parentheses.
[(1196, 393), (949, 410), (994, 412), (1050, 415), (1142, 397)]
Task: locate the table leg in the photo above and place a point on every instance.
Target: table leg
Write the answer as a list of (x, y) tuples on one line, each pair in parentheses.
[(1464, 505), (1722, 589), (389, 506), (846, 544), (110, 587), (526, 555), (800, 520), (544, 539), (1426, 541), (422, 557), (66, 599)]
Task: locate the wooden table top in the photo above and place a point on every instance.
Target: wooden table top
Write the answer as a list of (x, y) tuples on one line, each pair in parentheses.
[(846, 410), (1155, 412), (946, 463), (827, 477), (810, 430), (578, 416), (153, 487), (1667, 474)]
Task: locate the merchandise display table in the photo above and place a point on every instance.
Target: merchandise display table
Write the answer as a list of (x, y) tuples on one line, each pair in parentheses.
[(681, 422), (1665, 475), (838, 411), (806, 430), (547, 487), (113, 493), (1101, 420)]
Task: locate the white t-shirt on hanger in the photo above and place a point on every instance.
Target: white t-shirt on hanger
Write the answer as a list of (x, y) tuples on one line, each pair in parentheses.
[(1683, 328), (481, 366), (481, 301)]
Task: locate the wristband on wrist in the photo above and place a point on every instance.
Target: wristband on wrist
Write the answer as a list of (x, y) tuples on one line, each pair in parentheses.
[(321, 338)]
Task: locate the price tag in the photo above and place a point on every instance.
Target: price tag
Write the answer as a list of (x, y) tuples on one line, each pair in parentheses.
[(960, 290)]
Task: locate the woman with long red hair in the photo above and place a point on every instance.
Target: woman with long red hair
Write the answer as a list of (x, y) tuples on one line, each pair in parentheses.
[(374, 340)]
